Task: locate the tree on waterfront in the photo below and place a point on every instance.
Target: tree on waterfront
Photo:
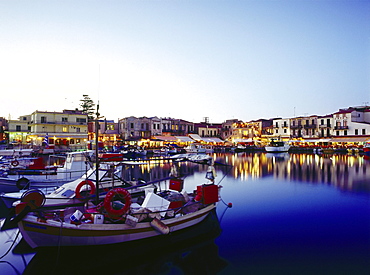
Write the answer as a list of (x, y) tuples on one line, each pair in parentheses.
[(88, 106)]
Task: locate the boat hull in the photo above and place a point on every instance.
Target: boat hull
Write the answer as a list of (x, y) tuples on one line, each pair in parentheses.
[(54, 233), (279, 149)]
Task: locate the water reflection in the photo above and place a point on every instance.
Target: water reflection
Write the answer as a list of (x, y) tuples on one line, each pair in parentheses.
[(347, 172)]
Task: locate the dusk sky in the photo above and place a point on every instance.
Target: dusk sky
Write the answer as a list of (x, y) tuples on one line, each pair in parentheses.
[(185, 59)]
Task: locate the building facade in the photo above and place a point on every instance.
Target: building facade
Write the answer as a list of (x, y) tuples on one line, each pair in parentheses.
[(66, 128)]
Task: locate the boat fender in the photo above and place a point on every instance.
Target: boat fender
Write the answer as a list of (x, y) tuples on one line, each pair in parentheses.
[(33, 198), (15, 162), (82, 183), (159, 226), (111, 196), (23, 183)]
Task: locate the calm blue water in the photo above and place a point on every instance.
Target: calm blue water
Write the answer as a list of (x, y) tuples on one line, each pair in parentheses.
[(291, 214)]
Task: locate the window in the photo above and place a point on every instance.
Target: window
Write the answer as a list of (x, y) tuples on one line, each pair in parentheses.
[(277, 124), (78, 130), (18, 128), (80, 120), (64, 119), (131, 125), (64, 129), (356, 132), (43, 119), (364, 131)]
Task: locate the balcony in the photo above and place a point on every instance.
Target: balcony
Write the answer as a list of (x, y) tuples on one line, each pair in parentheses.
[(295, 126), (341, 128), (310, 126), (58, 122), (325, 125)]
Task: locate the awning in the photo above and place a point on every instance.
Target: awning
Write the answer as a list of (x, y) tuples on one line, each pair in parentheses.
[(60, 135), (184, 139), (195, 137), (311, 140), (350, 139), (243, 140), (212, 139), (165, 138)]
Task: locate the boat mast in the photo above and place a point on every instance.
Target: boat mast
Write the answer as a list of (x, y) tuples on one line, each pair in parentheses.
[(97, 154)]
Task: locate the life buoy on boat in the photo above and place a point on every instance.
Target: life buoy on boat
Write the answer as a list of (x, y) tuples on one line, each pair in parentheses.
[(82, 183), (114, 194), (15, 162)]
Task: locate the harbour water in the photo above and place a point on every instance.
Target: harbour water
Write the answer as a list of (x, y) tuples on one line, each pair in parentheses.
[(291, 214)]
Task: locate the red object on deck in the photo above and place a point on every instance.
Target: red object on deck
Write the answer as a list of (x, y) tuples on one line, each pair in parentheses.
[(209, 193), (176, 184), (175, 204), (111, 157), (36, 164)]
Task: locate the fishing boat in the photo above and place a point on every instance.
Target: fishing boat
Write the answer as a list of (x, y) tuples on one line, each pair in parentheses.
[(277, 146), (71, 192), (75, 164), (119, 217), (195, 148)]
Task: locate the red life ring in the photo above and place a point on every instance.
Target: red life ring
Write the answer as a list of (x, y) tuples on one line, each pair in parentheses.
[(15, 162), (122, 194), (82, 183)]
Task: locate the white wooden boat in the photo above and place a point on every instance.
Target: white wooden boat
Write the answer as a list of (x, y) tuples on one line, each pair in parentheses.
[(76, 164), (277, 146), (118, 218), (195, 148)]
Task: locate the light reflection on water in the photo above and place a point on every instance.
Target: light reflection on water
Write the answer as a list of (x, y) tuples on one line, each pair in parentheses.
[(291, 212), (347, 172)]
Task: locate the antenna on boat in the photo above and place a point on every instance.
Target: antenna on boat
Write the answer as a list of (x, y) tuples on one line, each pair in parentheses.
[(97, 153)]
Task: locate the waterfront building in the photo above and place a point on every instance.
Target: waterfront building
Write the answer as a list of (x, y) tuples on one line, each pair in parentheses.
[(18, 130), (156, 126), (325, 124), (243, 132), (227, 128), (133, 128), (108, 133), (66, 129), (352, 122), (282, 126), (205, 129)]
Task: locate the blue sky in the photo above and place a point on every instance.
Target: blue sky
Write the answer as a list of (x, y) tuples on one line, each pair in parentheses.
[(185, 59)]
